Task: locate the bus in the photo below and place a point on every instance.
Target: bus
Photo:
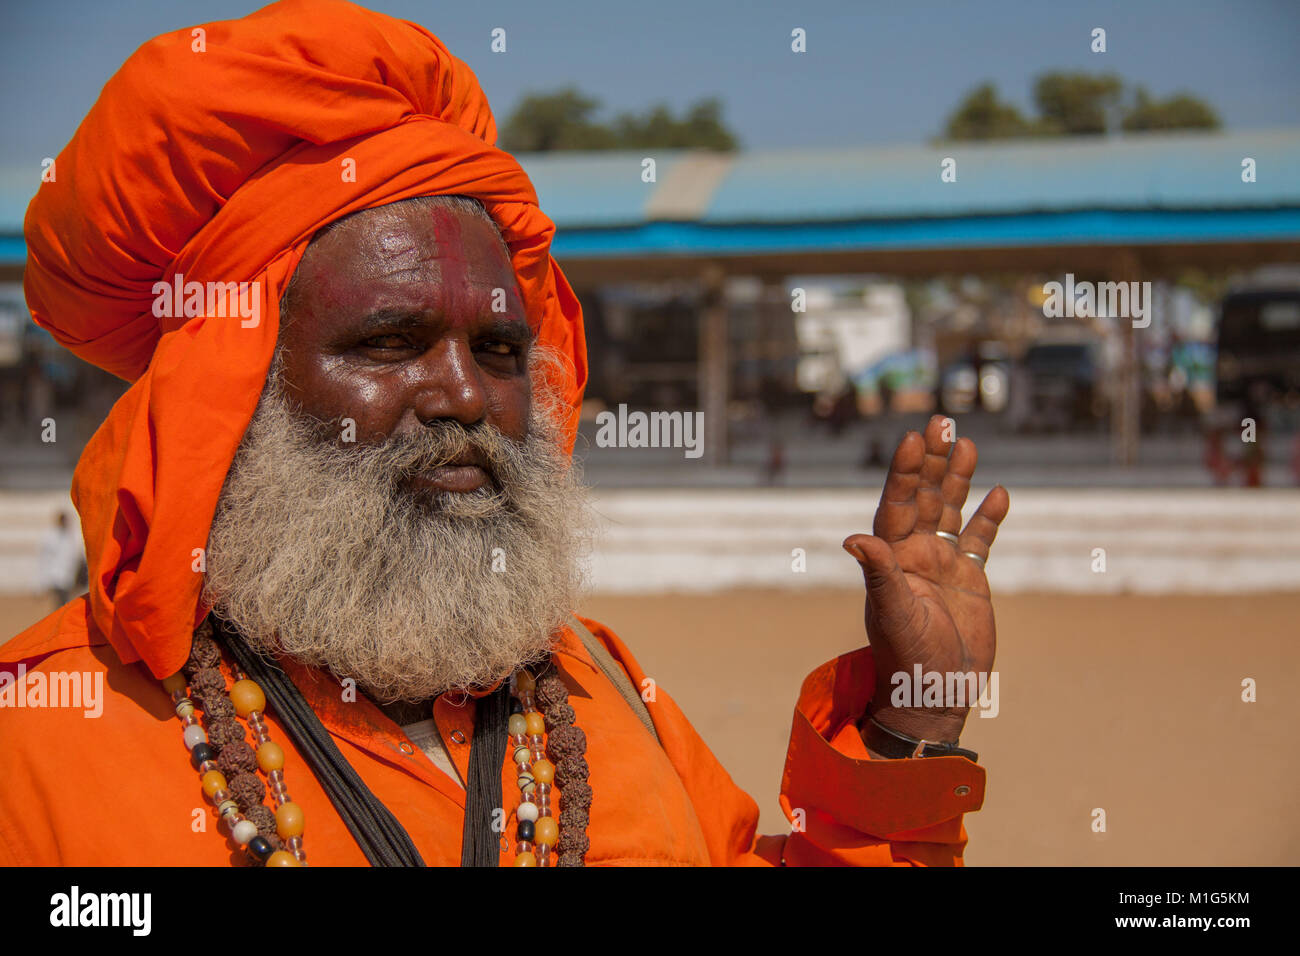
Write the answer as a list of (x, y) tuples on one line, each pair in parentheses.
[(1259, 347)]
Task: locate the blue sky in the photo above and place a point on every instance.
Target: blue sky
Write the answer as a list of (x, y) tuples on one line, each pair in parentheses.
[(874, 72)]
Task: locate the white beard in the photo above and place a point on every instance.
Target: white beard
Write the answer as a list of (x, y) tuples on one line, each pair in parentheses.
[(317, 551)]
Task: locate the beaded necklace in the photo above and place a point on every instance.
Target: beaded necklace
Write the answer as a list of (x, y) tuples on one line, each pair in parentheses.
[(219, 749), (534, 734), (270, 838)]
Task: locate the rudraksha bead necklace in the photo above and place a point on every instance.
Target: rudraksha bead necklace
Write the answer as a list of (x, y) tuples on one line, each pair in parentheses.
[(271, 838), (536, 735), (548, 749)]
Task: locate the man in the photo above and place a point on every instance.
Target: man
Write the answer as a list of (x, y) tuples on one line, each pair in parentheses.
[(360, 469), (60, 560)]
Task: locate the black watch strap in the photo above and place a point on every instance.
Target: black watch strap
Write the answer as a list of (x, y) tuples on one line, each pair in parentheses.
[(896, 746)]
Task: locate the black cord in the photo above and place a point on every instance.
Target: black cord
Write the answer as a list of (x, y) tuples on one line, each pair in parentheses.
[(480, 845), (381, 838)]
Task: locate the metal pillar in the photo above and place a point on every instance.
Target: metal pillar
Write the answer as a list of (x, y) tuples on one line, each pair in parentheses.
[(1125, 420), (714, 365)]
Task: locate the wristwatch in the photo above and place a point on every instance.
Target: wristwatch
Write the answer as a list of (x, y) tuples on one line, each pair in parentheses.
[(895, 746)]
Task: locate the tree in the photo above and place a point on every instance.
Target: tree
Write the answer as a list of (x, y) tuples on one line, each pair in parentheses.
[(550, 121), (700, 128), (704, 126), (563, 121), (1074, 103), (983, 116), (1180, 111)]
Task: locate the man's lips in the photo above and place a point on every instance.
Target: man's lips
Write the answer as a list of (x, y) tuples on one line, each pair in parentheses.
[(463, 476)]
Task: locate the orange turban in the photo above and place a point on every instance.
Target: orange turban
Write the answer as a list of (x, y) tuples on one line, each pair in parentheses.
[(215, 154)]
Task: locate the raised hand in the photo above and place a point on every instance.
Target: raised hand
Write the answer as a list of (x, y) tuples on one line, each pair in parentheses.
[(927, 599)]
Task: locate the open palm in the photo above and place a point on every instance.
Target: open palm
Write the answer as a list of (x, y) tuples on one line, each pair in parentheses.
[(927, 598)]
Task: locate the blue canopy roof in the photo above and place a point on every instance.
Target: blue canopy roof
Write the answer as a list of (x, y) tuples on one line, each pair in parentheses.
[(1141, 188)]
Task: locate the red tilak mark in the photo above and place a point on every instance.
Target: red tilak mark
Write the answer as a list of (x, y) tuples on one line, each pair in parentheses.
[(452, 259)]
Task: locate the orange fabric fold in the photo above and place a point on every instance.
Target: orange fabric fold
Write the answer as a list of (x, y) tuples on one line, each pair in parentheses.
[(218, 165)]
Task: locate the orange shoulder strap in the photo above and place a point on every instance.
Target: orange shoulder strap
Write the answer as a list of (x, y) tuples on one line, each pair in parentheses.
[(616, 675)]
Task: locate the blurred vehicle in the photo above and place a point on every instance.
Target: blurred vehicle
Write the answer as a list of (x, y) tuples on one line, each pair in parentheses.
[(959, 388), (1177, 387), (1259, 346), (902, 382), (995, 377), (1062, 386), (1257, 372), (978, 379)]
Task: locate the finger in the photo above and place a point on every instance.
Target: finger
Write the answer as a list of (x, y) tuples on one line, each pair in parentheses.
[(929, 494), (896, 515), (983, 525), (888, 595), (956, 484)]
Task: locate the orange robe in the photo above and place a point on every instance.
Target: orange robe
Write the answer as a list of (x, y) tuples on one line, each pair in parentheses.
[(118, 789), (214, 154)]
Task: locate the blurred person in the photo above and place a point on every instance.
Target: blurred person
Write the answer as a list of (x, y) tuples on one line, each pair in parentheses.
[(873, 455), (1218, 464), (886, 397), (11, 398), (364, 476), (1254, 407), (774, 465), (39, 393), (60, 562), (844, 410)]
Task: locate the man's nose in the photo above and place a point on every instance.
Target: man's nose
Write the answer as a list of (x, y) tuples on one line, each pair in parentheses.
[(450, 384)]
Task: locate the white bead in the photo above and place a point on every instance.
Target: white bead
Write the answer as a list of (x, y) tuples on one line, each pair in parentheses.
[(245, 830), (527, 811), (195, 735)]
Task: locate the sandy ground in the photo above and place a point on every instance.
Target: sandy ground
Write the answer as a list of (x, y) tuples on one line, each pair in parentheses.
[(1125, 702), (1130, 703)]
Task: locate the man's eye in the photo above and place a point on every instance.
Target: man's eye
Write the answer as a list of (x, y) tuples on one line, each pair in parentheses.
[(386, 342), (500, 348)]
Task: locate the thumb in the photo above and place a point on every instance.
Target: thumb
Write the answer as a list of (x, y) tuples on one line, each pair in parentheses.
[(888, 594)]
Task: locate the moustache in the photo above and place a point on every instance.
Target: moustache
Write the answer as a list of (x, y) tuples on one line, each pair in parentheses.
[(447, 443), (407, 461)]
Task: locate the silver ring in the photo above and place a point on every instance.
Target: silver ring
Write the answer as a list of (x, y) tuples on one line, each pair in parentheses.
[(952, 538), (975, 557)]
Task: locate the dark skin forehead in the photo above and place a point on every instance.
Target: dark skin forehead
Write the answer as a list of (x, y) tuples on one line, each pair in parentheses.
[(392, 325)]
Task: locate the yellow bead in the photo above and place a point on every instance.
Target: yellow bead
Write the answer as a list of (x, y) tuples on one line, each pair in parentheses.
[(536, 723), (524, 682), (282, 858), (270, 757), (213, 781), (543, 771), (247, 697), (174, 683), (517, 725), (525, 859), (289, 820), (546, 831)]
